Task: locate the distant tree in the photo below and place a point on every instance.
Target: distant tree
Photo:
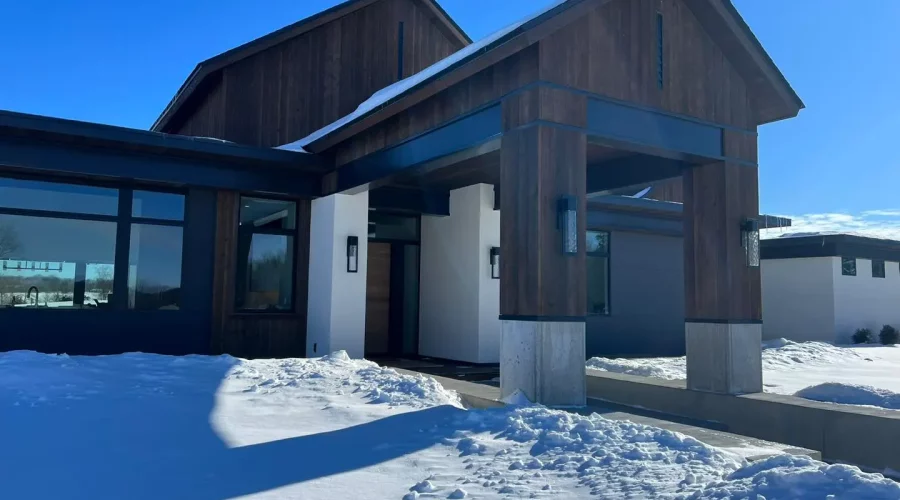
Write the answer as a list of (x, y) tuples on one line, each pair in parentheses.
[(9, 240), (888, 335), (103, 282), (862, 336)]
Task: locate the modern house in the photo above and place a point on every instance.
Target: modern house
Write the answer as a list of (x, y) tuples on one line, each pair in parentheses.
[(369, 179), (826, 286)]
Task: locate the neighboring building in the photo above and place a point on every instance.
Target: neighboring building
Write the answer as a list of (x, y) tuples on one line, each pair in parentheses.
[(826, 286), (372, 226)]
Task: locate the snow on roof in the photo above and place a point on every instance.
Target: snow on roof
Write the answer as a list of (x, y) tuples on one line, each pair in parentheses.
[(775, 233), (390, 92)]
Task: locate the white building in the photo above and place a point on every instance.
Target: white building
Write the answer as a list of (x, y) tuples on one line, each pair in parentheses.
[(825, 287)]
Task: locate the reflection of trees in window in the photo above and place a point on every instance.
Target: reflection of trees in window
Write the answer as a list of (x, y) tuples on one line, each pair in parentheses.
[(265, 263), (597, 267), (848, 266), (9, 240)]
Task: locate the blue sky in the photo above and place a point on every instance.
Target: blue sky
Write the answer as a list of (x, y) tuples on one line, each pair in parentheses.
[(119, 62)]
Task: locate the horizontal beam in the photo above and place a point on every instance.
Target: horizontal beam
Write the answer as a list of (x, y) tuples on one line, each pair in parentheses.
[(631, 170), (425, 202), (112, 165), (378, 168)]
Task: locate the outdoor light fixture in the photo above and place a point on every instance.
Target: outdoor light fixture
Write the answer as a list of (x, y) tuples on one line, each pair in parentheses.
[(495, 262), (750, 241), (352, 254), (567, 223)]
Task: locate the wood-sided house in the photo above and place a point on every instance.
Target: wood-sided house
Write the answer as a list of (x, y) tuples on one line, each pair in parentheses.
[(346, 183)]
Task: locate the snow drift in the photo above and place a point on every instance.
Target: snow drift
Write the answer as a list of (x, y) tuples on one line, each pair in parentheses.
[(850, 394)]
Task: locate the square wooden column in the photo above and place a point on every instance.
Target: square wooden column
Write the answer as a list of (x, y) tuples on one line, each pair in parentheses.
[(723, 312), (542, 289)]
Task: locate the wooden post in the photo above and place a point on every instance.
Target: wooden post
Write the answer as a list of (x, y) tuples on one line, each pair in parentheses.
[(723, 313), (542, 289)]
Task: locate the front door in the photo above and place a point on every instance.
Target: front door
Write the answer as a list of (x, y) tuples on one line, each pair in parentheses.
[(378, 299)]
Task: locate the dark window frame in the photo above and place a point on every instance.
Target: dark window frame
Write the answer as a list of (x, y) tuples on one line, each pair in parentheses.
[(607, 254), (123, 220), (293, 233), (876, 264), (845, 271)]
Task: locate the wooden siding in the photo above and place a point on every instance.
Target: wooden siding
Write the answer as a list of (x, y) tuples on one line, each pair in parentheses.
[(612, 51), (718, 283), (254, 335), (483, 87), (539, 164), (292, 89), (378, 299)]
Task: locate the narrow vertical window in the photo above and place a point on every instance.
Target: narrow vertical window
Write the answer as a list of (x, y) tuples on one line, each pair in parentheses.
[(659, 50), (597, 267), (400, 52), (848, 266), (878, 269)]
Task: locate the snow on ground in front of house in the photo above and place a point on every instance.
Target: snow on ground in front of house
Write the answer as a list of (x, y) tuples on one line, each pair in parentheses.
[(789, 367), (142, 426), (851, 394)]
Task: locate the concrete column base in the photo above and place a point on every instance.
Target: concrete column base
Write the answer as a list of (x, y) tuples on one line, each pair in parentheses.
[(544, 360), (724, 358)]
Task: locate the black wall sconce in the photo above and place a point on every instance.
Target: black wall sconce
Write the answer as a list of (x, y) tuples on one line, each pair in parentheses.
[(352, 254), (750, 241), (567, 222), (495, 262)]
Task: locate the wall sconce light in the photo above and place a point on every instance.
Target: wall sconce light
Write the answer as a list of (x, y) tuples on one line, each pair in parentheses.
[(567, 223), (750, 241), (495, 262), (352, 254)]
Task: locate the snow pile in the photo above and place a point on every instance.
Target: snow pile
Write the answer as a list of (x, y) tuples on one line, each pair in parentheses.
[(786, 476), (337, 372), (850, 394), (776, 355)]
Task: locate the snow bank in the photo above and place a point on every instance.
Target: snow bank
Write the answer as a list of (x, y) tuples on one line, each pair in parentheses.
[(850, 394), (777, 354)]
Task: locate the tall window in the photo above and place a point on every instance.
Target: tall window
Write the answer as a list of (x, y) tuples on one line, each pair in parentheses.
[(266, 238), (597, 264), (848, 266), (877, 268), (154, 257)]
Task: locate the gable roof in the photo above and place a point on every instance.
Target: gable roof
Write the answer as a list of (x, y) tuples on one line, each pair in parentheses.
[(513, 38), (214, 64)]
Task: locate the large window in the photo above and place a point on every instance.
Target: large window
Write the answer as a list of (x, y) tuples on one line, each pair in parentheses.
[(60, 243), (265, 274), (877, 268), (597, 248)]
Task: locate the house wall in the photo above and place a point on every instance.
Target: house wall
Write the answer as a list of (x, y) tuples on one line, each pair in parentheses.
[(284, 93), (459, 302), (646, 298), (863, 301), (798, 298)]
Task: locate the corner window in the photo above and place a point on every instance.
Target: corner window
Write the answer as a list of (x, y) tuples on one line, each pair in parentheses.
[(266, 237), (848, 266), (597, 265), (877, 268)]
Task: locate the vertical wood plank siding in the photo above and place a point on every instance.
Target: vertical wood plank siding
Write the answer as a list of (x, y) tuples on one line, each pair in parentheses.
[(718, 283), (292, 89), (254, 335)]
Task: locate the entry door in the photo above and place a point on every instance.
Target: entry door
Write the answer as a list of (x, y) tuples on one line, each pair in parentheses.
[(378, 299)]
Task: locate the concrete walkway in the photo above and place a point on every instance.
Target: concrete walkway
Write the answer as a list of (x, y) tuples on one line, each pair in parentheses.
[(478, 395)]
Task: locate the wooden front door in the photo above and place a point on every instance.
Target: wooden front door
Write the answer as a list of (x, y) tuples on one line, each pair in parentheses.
[(378, 299)]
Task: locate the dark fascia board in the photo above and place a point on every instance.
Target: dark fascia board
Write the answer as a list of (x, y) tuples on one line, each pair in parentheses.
[(229, 57), (830, 245), (87, 134)]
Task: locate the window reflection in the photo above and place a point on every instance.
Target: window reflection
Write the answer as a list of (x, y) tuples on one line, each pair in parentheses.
[(261, 214), (154, 267), (155, 205), (597, 267), (268, 273), (55, 197), (50, 262)]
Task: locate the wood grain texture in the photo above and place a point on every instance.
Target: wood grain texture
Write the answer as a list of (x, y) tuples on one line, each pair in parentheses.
[(291, 89), (378, 298), (612, 51), (739, 145), (718, 283), (549, 104), (256, 335), (538, 165)]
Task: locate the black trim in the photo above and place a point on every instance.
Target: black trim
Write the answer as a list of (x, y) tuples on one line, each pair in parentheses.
[(544, 319), (724, 321), (831, 245), (410, 200), (123, 250), (50, 214)]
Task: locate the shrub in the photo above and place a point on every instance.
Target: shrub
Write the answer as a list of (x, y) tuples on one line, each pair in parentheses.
[(889, 335), (862, 336)]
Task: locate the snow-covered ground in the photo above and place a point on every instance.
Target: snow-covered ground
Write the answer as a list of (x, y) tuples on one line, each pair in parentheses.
[(863, 375), (144, 426)]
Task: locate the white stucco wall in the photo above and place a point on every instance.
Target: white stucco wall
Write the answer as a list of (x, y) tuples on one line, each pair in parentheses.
[(337, 299), (863, 301), (458, 301), (798, 299)]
